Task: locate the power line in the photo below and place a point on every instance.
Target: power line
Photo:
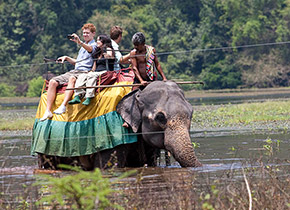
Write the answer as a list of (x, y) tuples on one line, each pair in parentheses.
[(171, 53), (226, 48)]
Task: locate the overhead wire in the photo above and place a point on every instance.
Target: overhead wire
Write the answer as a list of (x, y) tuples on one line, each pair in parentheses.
[(167, 53)]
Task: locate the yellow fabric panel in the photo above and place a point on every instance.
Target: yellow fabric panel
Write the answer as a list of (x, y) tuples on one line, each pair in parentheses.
[(104, 102)]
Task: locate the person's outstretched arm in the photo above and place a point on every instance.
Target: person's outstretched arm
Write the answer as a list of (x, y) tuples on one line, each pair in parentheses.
[(86, 46), (66, 58)]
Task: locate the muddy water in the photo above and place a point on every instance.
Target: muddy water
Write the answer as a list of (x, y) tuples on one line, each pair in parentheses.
[(219, 151), (213, 148)]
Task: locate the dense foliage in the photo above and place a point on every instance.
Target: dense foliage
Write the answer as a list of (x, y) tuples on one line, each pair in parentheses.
[(223, 43)]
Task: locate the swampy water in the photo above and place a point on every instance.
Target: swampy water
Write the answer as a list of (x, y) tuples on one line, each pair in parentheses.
[(218, 150)]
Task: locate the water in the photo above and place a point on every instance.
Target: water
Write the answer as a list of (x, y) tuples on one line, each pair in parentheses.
[(219, 150), (240, 96), (213, 148)]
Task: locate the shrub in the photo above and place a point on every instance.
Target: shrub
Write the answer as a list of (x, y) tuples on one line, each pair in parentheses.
[(35, 87), (81, 190), (221, 75), (6, 90)]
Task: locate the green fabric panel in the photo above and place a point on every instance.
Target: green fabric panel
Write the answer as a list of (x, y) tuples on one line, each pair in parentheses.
[(68, 139)]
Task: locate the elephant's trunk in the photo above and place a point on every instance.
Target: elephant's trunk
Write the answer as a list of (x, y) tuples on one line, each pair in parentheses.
[(177, 141)]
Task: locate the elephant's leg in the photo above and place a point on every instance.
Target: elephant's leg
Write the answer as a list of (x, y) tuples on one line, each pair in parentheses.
[(71, 161), (111, 157), (141, 153), (86, 162), (151, 154), (46, 162), (167, 158), (136, 155)]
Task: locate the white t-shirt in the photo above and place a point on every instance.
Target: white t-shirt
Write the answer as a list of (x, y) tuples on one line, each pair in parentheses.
[(118, 55)]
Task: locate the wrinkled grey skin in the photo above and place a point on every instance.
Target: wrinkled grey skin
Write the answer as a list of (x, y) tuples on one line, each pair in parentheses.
[(161, 112)]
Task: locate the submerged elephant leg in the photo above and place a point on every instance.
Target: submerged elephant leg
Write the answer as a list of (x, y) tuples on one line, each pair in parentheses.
[(167, 158), (151, 154), (86, 162), (46, 162), (111, 157)]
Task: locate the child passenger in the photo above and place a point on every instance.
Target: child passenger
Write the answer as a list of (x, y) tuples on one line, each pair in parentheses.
[(105, 57)]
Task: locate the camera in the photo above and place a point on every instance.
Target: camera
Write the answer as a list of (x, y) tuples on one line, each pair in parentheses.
[(70, 36)]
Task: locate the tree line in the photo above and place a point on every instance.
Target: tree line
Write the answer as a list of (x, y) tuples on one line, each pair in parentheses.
[(224, 43)]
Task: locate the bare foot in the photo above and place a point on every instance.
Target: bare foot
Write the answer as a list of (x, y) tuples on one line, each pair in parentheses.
[(125, 125)]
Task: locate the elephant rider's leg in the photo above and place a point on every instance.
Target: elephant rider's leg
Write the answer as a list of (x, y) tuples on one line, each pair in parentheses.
[(51, 94), (68, 94), (91, 82), (80, 82)]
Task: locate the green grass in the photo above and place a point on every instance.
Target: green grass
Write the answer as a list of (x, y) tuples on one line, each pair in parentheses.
[(16, 124), (242, 114), (22, 119), (17, 119), (245, 113)]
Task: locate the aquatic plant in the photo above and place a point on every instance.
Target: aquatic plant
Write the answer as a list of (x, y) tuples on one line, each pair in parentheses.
[(271, 146), (195, 145), (81, 190)]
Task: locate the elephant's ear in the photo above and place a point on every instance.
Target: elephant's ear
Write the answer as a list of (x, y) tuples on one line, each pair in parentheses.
[(129, 110)]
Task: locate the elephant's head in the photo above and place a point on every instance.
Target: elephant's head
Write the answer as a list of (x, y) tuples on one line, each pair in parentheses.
[(164, 116)]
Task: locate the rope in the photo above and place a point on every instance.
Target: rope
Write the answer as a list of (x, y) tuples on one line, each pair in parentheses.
[(172, 53)]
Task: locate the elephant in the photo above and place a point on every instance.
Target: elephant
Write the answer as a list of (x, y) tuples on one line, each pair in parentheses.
[(162, 114), (161, 117)]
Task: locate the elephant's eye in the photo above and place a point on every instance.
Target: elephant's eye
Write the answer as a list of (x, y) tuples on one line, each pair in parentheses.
[(160, 118)]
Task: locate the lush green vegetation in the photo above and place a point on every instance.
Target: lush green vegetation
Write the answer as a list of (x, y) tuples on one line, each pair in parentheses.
[(35, 87), (242, 114), (184, 32)]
